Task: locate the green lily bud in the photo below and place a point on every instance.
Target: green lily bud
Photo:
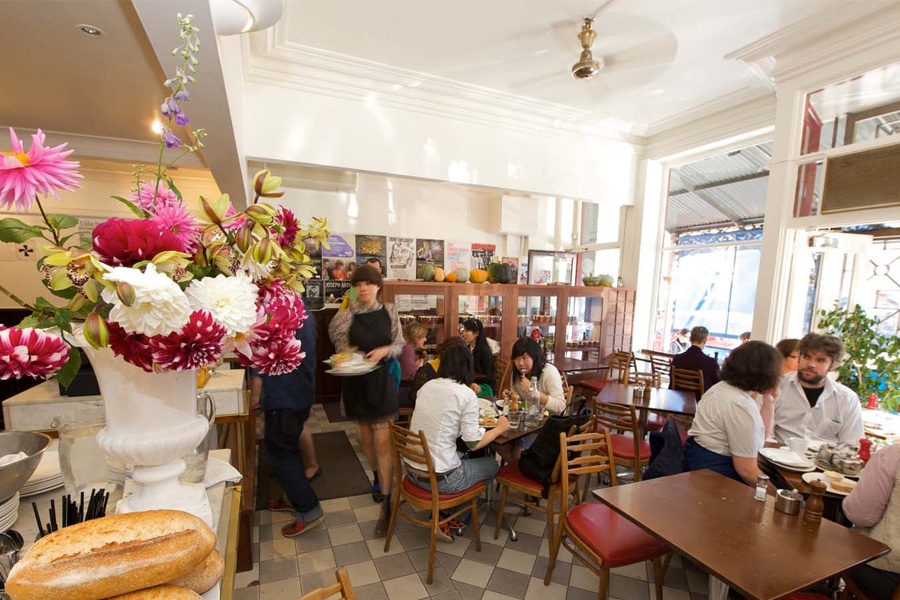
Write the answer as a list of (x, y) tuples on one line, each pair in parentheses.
[(261, 213), (125, 291), (96, 331), (244, 236), (265, 184), (262, 251)]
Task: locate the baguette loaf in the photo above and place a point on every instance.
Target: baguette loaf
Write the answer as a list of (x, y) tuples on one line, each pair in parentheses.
[(111, 556), (160, 592), (204, 575)]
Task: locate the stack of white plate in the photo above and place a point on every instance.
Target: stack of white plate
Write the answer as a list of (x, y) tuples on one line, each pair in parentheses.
[(46, 476), (9, 512)]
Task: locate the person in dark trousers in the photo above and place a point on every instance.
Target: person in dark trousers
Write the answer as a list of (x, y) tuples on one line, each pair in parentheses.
[(693, 358), (286, 402)]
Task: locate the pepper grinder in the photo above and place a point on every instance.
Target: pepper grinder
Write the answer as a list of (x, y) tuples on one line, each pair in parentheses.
[(814, 504), (865, 449)]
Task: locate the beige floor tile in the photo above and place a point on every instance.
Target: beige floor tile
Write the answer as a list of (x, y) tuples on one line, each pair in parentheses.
[(458, 547), (245, 578), (636, 570), (250, 593), (363, 573), (376, 547), (583, 578), (489, 595), (368, 513), (408, 587), (277, 548), (513, 560), (671, 594), (473, 573), (538, 591), (335, 504), (318, 560), (345, 535), (535, 524), (562, 556), (286, 589)]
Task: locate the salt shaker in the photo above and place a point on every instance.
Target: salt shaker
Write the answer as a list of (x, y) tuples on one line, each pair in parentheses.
[(762, 486)]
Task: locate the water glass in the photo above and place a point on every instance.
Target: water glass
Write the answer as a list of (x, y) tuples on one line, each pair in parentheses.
[(532, 419), (515, 419)]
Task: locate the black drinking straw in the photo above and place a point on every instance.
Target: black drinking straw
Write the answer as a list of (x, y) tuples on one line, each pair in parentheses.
[(37, 517), (53, 515)]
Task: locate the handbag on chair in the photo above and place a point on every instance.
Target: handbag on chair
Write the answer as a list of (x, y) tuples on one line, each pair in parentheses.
[(537, 461)]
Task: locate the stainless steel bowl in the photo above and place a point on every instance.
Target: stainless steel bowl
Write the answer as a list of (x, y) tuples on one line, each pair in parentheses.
[(13, 476)]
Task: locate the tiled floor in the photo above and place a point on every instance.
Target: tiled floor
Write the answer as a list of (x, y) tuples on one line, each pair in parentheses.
[(285, 569)]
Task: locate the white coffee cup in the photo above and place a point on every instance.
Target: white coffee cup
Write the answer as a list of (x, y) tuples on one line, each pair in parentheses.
[(797, 446)]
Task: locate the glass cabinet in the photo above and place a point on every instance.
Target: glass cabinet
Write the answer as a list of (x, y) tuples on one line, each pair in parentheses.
[(425, 303)]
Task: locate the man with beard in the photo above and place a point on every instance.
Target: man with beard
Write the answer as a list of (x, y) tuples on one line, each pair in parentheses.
[(813, 406)]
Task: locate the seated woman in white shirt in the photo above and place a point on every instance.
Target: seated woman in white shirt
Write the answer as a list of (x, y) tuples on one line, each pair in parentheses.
[(874, 507), (728, 430), (447, 408)]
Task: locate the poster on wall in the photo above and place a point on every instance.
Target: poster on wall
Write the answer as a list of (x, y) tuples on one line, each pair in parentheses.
[(401, 260), (313, 296), (371, 246), (334, 289), (481, 256), (430, 251), (315, 257), (339, 259), (458, 255)]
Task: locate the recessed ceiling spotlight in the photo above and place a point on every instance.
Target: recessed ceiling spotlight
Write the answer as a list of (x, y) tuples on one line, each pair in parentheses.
[(90, 30)]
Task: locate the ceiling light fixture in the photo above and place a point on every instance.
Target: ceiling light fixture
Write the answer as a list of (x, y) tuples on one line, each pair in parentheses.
[(89, 30)]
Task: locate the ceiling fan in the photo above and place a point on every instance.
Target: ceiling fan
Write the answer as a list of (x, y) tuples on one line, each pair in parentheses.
[(587, 66)]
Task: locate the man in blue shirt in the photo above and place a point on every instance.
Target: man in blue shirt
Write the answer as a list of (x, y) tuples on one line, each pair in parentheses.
[(286, 402)]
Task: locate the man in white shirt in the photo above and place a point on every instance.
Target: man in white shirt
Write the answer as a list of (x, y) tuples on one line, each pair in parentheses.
[(813, 406)]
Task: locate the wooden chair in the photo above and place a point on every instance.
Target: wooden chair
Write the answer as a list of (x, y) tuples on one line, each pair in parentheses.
[(568, 390), (412, 448), (501, 374), (621, 420), (594, 533), (688, 380), (342, 587), (529, 492)]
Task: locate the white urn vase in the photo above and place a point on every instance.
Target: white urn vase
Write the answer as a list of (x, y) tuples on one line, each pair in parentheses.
[(151, 422)]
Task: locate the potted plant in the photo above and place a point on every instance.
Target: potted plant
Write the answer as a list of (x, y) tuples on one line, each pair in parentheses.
[(872, 361)]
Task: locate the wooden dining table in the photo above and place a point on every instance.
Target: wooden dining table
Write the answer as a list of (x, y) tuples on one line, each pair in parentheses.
[(660, 400), (716, 522)]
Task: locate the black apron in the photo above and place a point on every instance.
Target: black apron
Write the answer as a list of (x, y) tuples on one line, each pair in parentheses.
[(372, 396)]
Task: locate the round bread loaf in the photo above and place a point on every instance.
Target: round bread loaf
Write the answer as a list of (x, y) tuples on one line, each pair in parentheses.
[(843, 486), (160, 592), (111, 556), (203, 576)]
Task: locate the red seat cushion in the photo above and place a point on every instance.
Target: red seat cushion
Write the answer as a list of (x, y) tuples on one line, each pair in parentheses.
[(511, 473), (623, 447), (615, 539), (413, 490), (594, 385)]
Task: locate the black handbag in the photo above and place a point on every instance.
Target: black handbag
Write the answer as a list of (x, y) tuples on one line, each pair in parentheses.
[(537, 461)]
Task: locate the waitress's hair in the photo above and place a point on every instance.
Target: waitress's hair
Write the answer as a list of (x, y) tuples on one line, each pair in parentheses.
[(457, 364), (367, 273), (753, 367), (476, 327), (526, 345), (788, 346)]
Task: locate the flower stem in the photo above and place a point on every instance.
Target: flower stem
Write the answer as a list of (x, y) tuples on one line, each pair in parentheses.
[(53, 231)]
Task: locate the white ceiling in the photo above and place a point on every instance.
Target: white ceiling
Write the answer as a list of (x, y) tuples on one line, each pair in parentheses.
[(664, 58)]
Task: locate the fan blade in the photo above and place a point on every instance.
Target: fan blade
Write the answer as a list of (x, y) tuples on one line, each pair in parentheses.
[(565, 35), (540, 81), (650, 54)]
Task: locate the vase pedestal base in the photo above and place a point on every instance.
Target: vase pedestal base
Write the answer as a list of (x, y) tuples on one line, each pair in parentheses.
[(160, 488)]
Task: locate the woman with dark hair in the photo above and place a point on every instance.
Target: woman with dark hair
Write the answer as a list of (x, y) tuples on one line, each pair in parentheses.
[(447, 409), (729, 427), (529, 363), (473, 335), (374, 329)]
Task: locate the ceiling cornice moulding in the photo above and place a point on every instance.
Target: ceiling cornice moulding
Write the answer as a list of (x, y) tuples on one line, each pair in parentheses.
[(271, 60), (709, 110), (825, 37)]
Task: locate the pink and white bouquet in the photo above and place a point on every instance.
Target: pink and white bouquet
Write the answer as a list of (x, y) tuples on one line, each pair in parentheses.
[(171, 289)]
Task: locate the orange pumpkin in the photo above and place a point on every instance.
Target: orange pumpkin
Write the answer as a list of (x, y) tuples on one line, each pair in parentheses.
[(478, 276), (451, 277)]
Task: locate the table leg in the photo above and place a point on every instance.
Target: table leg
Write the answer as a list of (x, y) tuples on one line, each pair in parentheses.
[(490, 501)]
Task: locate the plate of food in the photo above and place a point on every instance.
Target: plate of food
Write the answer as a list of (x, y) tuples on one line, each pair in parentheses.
[(836, 482), (349, 364), (785, 457), (487, 417)]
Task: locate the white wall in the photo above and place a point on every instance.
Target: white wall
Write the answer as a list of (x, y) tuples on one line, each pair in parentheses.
[(102, 180), (293, 126)]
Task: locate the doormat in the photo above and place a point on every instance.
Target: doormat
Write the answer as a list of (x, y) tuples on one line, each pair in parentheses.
[(333, 412), (342, 474)]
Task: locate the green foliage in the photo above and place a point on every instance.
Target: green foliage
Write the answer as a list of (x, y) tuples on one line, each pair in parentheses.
[(16, 232), (872, 363)]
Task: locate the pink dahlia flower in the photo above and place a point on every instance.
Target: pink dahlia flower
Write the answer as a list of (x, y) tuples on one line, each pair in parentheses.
[(288, 226), (31, 353), (198, 343), (285, 315), (122, 243), (40, 171), (175, 218), (150, 196), (278, 358)]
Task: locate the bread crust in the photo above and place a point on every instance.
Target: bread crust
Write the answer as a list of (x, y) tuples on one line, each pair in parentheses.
[(160, 592), (204, 575), (111, 556)]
